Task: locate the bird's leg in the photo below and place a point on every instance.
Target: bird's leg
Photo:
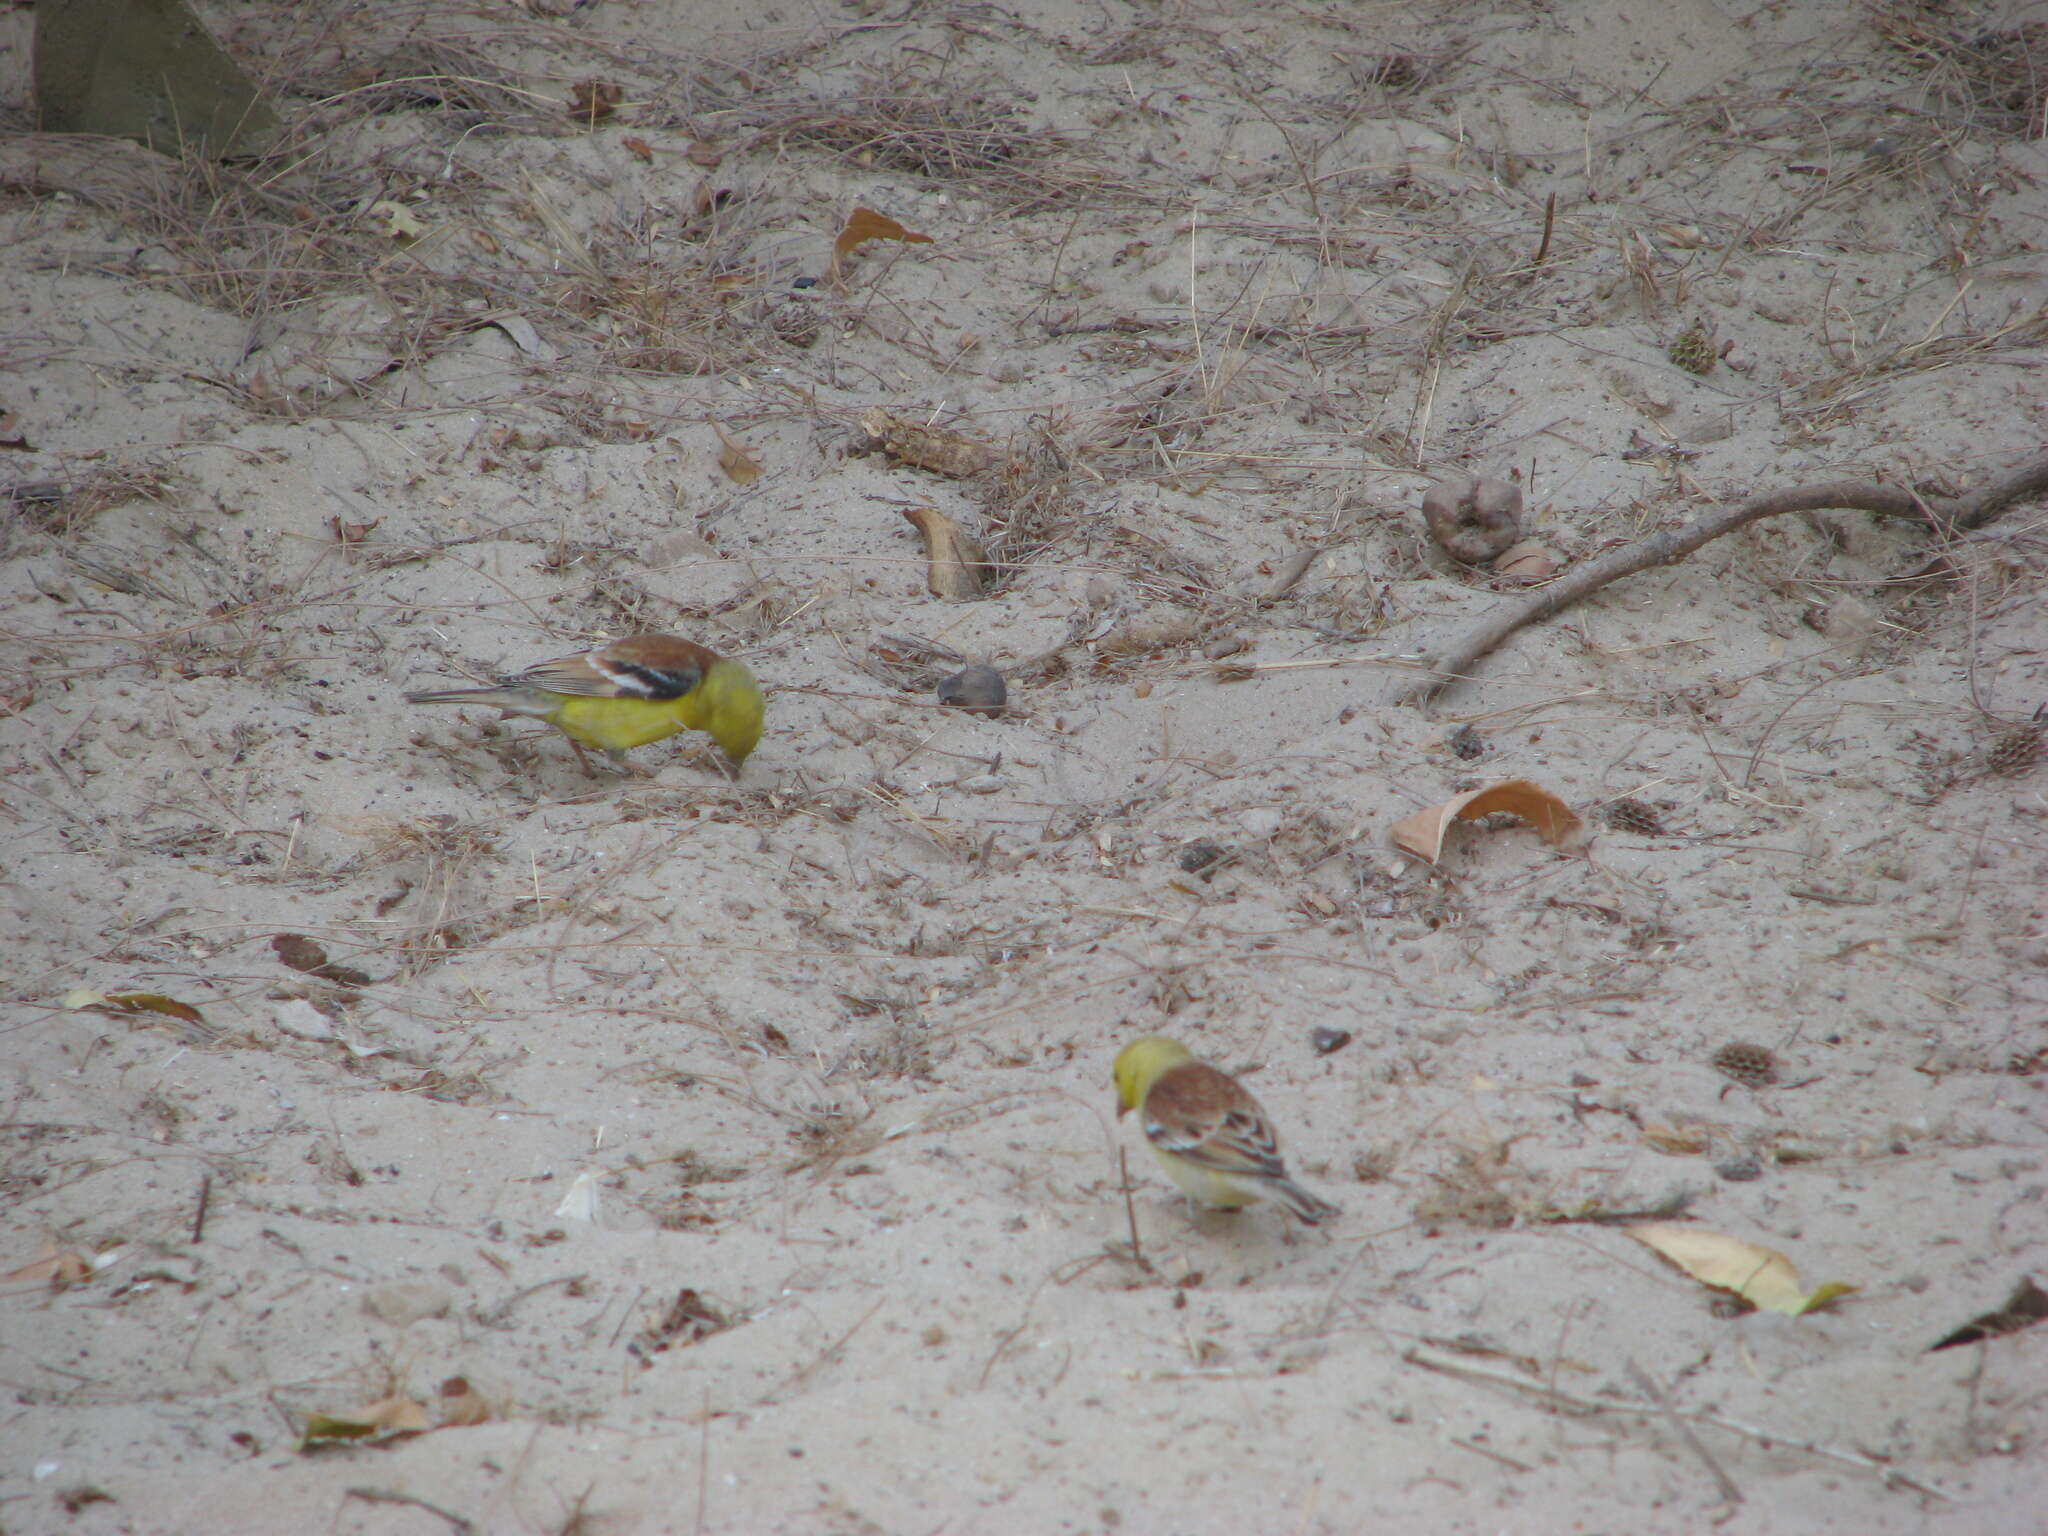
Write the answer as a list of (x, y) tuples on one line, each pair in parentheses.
[(581, 756)]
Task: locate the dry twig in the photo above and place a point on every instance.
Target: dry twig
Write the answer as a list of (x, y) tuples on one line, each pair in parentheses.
[(1553, 1398), (1948, 515)]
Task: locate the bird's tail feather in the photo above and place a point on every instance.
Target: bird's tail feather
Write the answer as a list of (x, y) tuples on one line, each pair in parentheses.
[(1312, 1209), (518, 701)]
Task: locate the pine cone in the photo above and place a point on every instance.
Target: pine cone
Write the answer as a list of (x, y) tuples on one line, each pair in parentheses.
[(1753, 1066), (1632, 815), (1694, 351), (2015, 751)]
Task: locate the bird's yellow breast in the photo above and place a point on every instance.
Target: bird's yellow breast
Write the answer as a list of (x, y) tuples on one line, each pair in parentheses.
[(613, 725)]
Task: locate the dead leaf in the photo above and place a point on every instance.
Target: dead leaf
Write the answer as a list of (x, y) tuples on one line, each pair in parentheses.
[(348, 535), (386, 1419), (1423, 833), (703, 152), (1761, 1276), (400, 222), (1674, 1141), (640, 149), (299, 952), (863, 225), (688, 1320), (11, 435), (925, 447), (118, 1003), (304, 955), (462, 1405), (741, 467), (2027, 1306), (1529, 560), (955, 563), (60, 1268), (1148, 634), (593, 101)]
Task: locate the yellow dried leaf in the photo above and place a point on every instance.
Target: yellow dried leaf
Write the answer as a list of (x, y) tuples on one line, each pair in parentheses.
[(863, 225), (1761, 1276), (384, 1419), (741, 467), (1422, 834), (399, 221), (955, 562)]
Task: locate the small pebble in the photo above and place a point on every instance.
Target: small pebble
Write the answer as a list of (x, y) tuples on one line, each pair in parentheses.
[(1740, 1170), (1327, 1040), (1198, 856), (978, 689)]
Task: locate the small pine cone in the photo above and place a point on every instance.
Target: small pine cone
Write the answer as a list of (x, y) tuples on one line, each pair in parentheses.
[(2015, 751), (1693, 350), (1753, 1066), (1632, 815), (795, 322)]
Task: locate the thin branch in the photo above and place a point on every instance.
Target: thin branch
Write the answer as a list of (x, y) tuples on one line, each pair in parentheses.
[(1948, 515), (1554, 1398), (456, 1523), (1650, 1388)]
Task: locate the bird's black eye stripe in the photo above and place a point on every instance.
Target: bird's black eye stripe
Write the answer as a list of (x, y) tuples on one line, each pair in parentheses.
[(657, 682)]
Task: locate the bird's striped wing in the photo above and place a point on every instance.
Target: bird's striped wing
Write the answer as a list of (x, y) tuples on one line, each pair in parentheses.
[(1196, 1112), (656, 668)]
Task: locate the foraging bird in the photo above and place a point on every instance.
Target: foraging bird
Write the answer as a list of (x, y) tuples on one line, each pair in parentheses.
[(629, 693), (1209, 1134)]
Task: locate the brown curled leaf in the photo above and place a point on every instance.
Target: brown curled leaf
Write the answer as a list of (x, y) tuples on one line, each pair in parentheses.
[(956, 566), (462, 1405), (740, 467), (594, 100), (1423, 833), (307, 957), (134, 1002), (2027, 1306), (59, 1268), (863, 225)]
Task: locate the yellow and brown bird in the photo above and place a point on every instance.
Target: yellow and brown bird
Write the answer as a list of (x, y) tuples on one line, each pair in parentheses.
[(1209, 1134), (629, 693)]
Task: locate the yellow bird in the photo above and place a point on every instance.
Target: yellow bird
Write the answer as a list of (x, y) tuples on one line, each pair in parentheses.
[(629, 693), (1209, 1134)]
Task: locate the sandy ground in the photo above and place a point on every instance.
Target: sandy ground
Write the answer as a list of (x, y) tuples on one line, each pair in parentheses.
[(488, 1059)]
